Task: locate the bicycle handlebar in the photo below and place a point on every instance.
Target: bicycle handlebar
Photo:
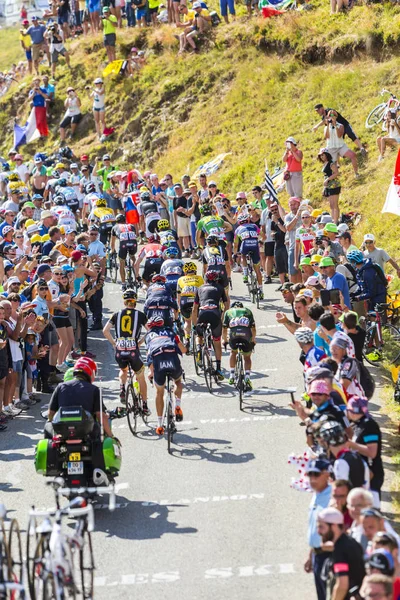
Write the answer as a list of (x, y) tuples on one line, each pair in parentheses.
[(385, 91), (111, 489), (67, 511)]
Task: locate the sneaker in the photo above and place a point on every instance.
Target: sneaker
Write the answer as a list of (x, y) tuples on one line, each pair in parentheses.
[(122, 392), (185, 254), (11, 411), (160, 430), (178, 413), (380, 158), (3, 427), (96, 327), (248, 386), (219, 374), (89, 354), (63, 367), (193, 255), (236, 268), (145, 409), (231, 380), (268, 279), (245, 279), (27, 400), (21, 405), (69, 363)]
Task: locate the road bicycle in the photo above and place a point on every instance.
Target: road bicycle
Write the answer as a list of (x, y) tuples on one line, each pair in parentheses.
[(208, 366), (169, 416), (131, 281), (11, 562), (239, 381), (382, 340), (61, 565), (133, 403), (252, 285), (378, 114), (111, 264)]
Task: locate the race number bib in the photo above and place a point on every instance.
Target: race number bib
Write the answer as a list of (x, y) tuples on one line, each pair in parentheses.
[(126, 345)]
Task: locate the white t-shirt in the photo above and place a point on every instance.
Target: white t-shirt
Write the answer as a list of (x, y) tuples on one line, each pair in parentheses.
[(267, 222), (22, 171), (378, 256), (14, 346)]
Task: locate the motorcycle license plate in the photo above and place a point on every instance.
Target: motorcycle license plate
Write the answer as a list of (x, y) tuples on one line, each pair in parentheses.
[(74, 456), (75, 468)]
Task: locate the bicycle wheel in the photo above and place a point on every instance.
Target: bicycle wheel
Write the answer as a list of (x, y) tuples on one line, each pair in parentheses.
[(170, 417), (386, 351), (194, 351), (257, 297), (86, 566), (38, 577), (31, 544), (114, 267), (15, 555), (208, 368), (375, 116), (5, 562), (132, 408), (48, 589), (239, 378)]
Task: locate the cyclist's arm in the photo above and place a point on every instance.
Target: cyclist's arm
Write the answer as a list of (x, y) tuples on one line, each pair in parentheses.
[(112, 241), (106, 425), (195, 313), (253, 333), (181, 347), (138, 262), (107, 333)]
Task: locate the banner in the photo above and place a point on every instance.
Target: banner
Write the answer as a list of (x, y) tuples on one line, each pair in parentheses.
[(392, 203)]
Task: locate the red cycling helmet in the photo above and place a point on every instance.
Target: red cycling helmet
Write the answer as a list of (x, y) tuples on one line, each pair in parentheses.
[(151, 239), (155, 322), (82, 366), (213, 276), (158, 279), (92, 364)]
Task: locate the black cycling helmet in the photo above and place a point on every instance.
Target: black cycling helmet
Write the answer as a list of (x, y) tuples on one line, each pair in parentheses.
[(332, 433), (120, 219), (55, 174), (205, 210), (129, 295), (237, 304), (145, 197), (62, 182), (90, 187), (212, 240), (59, 200)]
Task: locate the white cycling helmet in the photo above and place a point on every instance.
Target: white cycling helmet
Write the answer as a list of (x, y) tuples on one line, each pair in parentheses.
[(304, 335)]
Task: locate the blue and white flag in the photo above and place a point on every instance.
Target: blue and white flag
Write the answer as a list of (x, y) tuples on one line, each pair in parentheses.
[(26, 133)]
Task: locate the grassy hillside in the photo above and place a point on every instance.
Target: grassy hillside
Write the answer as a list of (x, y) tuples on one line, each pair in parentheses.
[(253, 84)]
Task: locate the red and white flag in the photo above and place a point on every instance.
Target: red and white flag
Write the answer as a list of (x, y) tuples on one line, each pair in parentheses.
[(392, 203)]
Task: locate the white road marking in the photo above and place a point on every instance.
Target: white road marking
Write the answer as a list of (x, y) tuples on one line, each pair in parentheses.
[(216, 421), (186, 501)]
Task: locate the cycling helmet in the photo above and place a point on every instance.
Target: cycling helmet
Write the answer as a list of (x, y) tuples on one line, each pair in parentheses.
[(92, 363), (82, 366), (129, 294), (155, 322), (237, 304), (332, 433), (189, 267), (101, 203), (213, 276), (382, 560), (55, 174), (243, 218), (163, 225), (62, 182), (90, 187), (205, 210), (304, 335), (212, 240), (171, 252), (69, 374), (120, 219), (158, 278), (355, 256), (145, 197), (14, 177), (59, 200)]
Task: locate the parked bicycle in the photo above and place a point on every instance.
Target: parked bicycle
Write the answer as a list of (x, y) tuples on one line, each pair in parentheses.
[(11, 562), (378, 114), (382, 340)]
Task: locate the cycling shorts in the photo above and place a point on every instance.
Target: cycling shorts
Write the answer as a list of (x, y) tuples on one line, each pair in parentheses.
[(152, 266), (126, 247), (253, 251), (213, 317), (240, 337), (129, 357), (164, 364), (186, 306)]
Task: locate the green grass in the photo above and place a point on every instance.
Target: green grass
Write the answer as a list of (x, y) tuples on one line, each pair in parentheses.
[(11, 51)]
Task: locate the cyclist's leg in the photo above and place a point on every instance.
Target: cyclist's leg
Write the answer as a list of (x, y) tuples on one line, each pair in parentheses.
[(232, 364), (122, 269), (140, 376), (216, 331), (122, 375), (245, 268), (160, 408)]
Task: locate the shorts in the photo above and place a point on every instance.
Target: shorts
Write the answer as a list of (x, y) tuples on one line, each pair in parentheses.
[(281, 260), (183, 227), (68, 120), (291, 254), (78, 18), (63, 19), (331, 192), (60, 322), (17, 366), (140, 13), (125, 248), (56, 53), (152, 266), (225, 5), (110, 39), (269, 248), (94, 7), (336, 152), (36, 48), (253, 252), (28, 54), (164, 364), (243, 342), (186, 306), (153, 11), (348, 130), (3, 373), (114, 203), (124, 359), (214, 318)]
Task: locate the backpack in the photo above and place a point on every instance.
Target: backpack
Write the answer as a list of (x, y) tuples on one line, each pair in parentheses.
[(380, 274), (215, 18), (366, 380)]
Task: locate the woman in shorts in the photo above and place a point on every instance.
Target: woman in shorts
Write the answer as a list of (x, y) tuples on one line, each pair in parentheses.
[(392, 136), (72, 115), (61, 320), (98, 94), (334, 134), (332, 186)]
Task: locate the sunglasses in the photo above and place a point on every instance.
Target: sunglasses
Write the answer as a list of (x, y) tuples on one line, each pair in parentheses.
[(43, 289), (306, 217), (94, 233), (314, 474), (19, 237), (368, 242), (58, 274), (212, 186), (314, 264), (323, 267), (19, 301)]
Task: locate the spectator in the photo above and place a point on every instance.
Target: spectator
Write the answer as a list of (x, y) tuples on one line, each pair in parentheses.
[(36, 32), (345, 240), (332, 186), (305, 236), (21, 168), (334, 280), (354, 331), (378, 256), (293, 174), (318, 473), (392, 138), (94, 13), (26, 44), (182, 220), (292, 222), (346, 564), (98, 94), (340, 491), (109, 32), (335, 144), (377, 587), (300, 308), (103, 173), (199, 21), (348, 130), (63, 14), (226, 5), (72, 114), (153, 11), (55, 237), (357, 500), (348, 373), (278, 230), (55, 35), (38, 98)]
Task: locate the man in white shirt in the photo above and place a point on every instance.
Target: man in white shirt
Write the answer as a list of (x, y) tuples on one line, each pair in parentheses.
[(378, 255), (21, 168)]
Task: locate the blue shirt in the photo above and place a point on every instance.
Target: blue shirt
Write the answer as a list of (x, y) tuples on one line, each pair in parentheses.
[(36, 33), (318, 340), (40, 307), (339, 282), (37, 99), (43, 230), (319, 501), (98, 248)]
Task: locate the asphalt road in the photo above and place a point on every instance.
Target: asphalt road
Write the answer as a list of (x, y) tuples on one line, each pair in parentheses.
[(217, 518)]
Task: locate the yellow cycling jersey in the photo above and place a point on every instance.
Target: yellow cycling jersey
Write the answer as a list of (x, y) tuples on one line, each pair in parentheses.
[(104, 214), (188, 284)]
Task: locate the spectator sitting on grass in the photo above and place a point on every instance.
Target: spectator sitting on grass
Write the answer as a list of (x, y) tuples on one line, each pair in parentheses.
[(198, 21), (392, 136)]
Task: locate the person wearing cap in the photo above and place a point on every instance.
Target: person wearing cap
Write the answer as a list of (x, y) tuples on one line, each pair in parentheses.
[(334, 280), (367, 441), (331, 244), (9, 217), (38, 97), (56, 36), (346, 564), (278, 230), (48, 220), (36, 32), (335, 144), (378, 256), (67, 246), (318, 473), (13, 287), (72, 114), (26, 44), (201, 23), (39, 176), (306, 269), (379, 587), (310, 354), (293, 173), (21, 168), (110, 23), (103, 173), (98, 93), (348, 374), (305, 236), (74, 181), (25, 212), (292, 222), (332, 187)]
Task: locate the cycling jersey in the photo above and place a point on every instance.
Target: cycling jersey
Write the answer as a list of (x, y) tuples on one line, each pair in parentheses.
[(188, 285), (240, 322), (103, 216), (209, 296), (172, 266), (163, 352), (248, 241), (160, 303), (65, 217), (124, 232), (128, 323), (306, 237), (161, 340), (168, 238), (212, 225), (151, 251)]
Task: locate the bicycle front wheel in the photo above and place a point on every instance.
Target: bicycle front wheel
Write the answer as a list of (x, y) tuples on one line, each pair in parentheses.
[(132, 408), (114, 268), (239, 379), (386, 350), (15, 555), (5, 561), (87, 568), (197, 366), (208, 368), (375, 116)]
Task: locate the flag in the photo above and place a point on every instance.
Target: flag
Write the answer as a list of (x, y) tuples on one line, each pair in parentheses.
[(268, 184), (211, 166), (23, 134), (392, 203), (270, 8)]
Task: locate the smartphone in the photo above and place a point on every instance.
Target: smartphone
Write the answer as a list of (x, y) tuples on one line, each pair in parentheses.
[(220, 208), (335, 296), (325, 297)]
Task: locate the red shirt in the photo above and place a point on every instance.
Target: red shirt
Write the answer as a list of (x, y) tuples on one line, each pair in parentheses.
[(293, 165)]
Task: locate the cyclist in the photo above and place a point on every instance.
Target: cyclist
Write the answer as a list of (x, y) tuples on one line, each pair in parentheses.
[(128, 323), (65, 217), (159, 301), (148, 213), (210, 224), (163, 350), (215, 258), (104, 218), (242, 334), (126, 235), (153, 255), (172, 268), (207, 309), (186, 290), (168, 237), (246, 243)]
